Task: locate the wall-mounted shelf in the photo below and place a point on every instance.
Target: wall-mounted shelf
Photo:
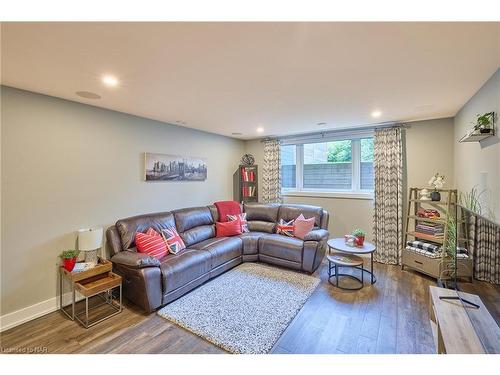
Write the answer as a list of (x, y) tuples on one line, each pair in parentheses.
[(476, 137)]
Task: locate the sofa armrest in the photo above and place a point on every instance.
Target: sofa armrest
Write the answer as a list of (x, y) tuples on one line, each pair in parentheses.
[(316, 235), (135, 260)]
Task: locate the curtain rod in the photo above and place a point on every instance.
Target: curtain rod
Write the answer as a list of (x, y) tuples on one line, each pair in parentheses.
[(341, 130)]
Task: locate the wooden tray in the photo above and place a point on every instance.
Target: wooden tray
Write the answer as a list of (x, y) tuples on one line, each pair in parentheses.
[(104, 266), (94, 285)]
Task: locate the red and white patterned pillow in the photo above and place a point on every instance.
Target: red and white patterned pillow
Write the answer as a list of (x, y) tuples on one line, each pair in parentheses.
[(152, 232), (151, 244), (285, 228), (173, 240), (242, 218)]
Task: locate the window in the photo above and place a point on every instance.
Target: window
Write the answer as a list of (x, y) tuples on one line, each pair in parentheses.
[(343, 165), (288, 166)]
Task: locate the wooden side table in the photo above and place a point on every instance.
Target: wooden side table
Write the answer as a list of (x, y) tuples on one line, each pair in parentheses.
[(98, 281)]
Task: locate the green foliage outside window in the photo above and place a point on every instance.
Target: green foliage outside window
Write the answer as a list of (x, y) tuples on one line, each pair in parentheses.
[(339, 151), (367, 149)]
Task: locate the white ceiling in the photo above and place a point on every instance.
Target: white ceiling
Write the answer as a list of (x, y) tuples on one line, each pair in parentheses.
[(235, 77)]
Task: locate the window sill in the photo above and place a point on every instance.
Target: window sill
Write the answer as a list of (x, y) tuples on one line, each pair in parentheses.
[(329, 194)]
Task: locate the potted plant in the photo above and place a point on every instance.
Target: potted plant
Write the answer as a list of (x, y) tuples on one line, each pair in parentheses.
[(359, 234), (69, 259), (484, 123), (437, 182)]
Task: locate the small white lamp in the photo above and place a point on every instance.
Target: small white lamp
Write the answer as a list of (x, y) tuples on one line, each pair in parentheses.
[(90, 241)]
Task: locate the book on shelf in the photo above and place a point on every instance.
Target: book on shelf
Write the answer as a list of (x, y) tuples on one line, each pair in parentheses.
[(247, 174), (248, 191)]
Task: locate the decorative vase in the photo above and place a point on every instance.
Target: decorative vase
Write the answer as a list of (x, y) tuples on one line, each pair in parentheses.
[(69, 264), (360, 241), (435, 196)]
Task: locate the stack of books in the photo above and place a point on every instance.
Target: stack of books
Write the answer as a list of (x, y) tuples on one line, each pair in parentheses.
[(433, 229)]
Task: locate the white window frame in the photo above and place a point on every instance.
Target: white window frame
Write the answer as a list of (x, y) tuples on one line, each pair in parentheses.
[(354, 193)]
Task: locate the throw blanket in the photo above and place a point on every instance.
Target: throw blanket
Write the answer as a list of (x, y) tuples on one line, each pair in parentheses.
[(227, 208)]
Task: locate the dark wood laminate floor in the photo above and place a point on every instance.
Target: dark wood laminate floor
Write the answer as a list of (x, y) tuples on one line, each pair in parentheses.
[(387, 317)]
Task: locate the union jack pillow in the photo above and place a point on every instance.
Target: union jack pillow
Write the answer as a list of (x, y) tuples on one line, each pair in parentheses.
[(243, 220), (152, 232), (285, 228), (151, 244), (173, 240)]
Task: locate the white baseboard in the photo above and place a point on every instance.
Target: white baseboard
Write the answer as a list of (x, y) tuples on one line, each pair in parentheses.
[(26, 314), (37, 310)]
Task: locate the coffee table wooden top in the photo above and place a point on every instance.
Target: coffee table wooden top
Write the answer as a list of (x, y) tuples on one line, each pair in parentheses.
[(349, 260), (339, 245)]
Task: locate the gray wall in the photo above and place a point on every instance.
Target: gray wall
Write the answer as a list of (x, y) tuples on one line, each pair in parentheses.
[(478, 164), (429, 149), (67, 166)]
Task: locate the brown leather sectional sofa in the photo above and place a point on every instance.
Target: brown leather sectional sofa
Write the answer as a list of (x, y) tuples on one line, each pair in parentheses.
[(151, 283)]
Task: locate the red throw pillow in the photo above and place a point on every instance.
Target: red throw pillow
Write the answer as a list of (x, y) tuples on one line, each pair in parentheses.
[(228, 229), (227, 208), (153, 245)]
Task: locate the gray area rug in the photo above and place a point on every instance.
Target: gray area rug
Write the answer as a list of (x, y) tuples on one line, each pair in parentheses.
[(246, 309)]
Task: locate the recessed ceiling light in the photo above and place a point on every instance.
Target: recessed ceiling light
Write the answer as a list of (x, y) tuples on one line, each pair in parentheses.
[(88, 95), (260, 129), (109, 80), (376, 113), (321, 123)]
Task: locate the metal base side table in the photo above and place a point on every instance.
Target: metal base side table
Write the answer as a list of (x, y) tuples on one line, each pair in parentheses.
[(338, 244), (335, 261), (97, 281)]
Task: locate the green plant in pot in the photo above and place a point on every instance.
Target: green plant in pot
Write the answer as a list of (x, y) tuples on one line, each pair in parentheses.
[(484, 123), (448, 270), (69, 259), (360, 237)]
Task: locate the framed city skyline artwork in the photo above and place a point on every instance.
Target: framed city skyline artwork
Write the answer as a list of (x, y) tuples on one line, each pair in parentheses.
[(164, 167)]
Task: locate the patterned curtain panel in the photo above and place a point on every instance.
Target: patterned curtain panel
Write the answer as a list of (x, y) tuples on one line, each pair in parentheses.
[(484, 241), (388, 208), (271, 180)]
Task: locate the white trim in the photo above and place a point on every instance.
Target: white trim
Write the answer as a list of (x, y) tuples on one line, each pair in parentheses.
[(26, 314), (32, 312), (348, 194)]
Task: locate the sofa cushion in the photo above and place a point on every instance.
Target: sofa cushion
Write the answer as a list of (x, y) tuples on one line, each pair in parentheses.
[(221, 249), (289, 212), (262, 212), (184, 267), (198, 234), (278, 246), (261, 226), (127, 228), (188, 218), (194, 224), (251, 242)]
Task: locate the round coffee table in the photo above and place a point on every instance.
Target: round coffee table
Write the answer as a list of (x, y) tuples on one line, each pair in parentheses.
[(338, 244)]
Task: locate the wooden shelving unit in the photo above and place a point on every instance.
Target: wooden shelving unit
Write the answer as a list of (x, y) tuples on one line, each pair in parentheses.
[(246, 184), (435, 267)]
